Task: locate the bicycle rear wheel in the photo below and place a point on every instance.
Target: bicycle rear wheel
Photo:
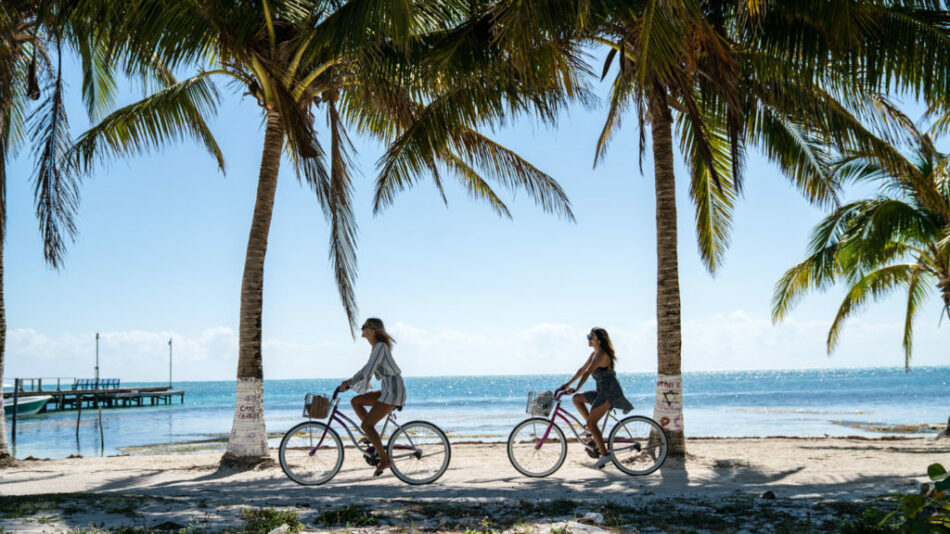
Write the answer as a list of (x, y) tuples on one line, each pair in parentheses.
[(420, 452), (638, 445), (311, 453), (532, 457)]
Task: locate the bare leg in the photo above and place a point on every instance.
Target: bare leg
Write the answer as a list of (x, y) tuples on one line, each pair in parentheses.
[(595, 416), (377, 412), (580, 402), (361, 403)]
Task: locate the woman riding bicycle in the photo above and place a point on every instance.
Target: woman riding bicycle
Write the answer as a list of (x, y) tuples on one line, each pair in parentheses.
[(373, 406), (608, 394)]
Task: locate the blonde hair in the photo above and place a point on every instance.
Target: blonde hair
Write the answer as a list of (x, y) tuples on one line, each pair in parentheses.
[(379, 332)]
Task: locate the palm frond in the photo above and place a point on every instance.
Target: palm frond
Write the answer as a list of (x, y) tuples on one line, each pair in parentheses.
[(343, 229), (872, 286), (56, 183), (98, 82), (918, 289), (714, 200), (174, 113), (476, 186)]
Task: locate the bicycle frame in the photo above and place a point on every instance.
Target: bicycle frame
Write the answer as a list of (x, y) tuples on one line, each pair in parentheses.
[(571, 420), (339, 417)]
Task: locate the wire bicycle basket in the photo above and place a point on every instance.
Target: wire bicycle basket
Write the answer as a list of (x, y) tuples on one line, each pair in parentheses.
[(316, 406), (540, 404)]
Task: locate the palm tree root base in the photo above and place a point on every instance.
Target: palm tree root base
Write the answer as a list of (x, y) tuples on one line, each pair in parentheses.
[(243, 463), (7, 460)]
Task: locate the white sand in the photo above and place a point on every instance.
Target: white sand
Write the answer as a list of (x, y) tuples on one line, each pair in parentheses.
[(834, 468)]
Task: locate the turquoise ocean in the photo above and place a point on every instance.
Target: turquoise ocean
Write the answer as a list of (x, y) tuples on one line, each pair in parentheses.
[(836, 402)]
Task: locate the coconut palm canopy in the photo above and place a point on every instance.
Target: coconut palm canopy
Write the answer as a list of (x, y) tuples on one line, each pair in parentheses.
[(898, 240), (799, 81), (422, 77)]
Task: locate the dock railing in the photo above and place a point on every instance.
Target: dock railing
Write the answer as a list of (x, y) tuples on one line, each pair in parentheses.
[(36, 384)]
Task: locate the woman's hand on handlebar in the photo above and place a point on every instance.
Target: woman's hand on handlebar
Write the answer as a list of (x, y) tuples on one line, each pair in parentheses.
[(345, 385)]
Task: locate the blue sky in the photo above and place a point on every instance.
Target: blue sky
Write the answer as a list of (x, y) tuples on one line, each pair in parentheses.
[(161, 250)]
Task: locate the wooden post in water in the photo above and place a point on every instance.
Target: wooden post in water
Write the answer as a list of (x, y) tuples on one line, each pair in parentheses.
[(78, 413), (102, 443), (16, 407)]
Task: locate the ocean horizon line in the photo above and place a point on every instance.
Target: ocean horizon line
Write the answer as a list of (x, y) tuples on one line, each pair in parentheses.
[(523, 375)]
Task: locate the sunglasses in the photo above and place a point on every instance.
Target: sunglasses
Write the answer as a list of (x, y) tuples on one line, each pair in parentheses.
[(590, 337)]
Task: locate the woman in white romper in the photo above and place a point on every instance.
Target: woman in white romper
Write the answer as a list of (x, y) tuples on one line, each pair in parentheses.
[(372, 406)]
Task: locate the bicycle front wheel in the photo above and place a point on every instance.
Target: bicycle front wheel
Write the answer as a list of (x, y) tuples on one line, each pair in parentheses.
[(638, 445), (533, 450), (420, 452), (311, 453)]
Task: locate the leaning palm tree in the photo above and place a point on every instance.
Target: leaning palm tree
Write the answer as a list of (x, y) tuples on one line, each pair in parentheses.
[(34, 36), (897, 240), (797, 80), (363, 65)]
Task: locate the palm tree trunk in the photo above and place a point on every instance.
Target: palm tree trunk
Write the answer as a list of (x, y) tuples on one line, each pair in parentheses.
[(5, 458), (668, 410), (247, 445)]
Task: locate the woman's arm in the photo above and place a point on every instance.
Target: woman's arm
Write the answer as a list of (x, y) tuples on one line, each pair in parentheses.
[(365, 372), (579, 373), (592, 364)]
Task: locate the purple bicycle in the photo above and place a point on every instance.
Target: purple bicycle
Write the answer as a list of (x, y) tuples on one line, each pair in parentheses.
[(311, 453), (537, 446)]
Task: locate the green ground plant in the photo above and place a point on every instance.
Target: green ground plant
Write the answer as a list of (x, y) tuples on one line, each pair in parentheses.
[(351, 515), (264, 520), (927, 511)]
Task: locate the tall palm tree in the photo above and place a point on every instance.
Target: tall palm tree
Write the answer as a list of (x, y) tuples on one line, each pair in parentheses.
[(363, 64), (34, 37), (797, 80), (900, 239)]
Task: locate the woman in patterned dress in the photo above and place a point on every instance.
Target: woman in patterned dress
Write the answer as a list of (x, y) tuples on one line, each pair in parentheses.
[(608, 395)]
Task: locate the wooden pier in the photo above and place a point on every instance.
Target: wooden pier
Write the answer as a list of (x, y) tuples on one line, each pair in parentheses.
[(73, 394)]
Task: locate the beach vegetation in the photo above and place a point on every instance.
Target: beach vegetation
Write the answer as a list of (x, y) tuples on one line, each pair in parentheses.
[(928, 510), (421, 78), (352, 515), (898, 239), (264, 520)]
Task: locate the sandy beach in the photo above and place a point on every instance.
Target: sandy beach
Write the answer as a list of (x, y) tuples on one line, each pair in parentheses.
[(183, 488)]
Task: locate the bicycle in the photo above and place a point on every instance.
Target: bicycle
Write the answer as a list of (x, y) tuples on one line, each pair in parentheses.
[(537, 447), (311, 453)]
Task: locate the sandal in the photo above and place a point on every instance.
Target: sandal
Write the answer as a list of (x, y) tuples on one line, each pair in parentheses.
[(381, 467)]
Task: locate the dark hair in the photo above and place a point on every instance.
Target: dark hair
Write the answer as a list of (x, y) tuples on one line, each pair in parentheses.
[(379, 332), (605, 345)]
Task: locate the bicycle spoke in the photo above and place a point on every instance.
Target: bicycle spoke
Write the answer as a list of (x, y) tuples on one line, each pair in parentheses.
[(424, 453), (311, 454), (638, 445), (534, 450)]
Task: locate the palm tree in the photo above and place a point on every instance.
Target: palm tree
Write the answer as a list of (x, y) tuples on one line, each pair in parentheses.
[(797, 80), (900, 239), (364, 65), (34, 36)]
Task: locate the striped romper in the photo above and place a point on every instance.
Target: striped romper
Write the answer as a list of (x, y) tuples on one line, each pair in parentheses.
[(382, 366)]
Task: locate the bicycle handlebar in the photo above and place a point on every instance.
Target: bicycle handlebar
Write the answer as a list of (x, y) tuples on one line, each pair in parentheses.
[(336, 392)]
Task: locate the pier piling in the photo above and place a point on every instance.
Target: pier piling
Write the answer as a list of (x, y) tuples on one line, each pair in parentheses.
[(16, 407)]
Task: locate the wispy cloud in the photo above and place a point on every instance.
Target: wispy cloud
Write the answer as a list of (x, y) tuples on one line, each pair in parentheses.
[(730, 341)]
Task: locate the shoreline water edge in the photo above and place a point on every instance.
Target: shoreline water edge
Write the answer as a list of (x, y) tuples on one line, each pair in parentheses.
[(809, 403)]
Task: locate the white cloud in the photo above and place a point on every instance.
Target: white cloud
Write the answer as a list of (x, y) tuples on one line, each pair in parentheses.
[(730, 341)]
